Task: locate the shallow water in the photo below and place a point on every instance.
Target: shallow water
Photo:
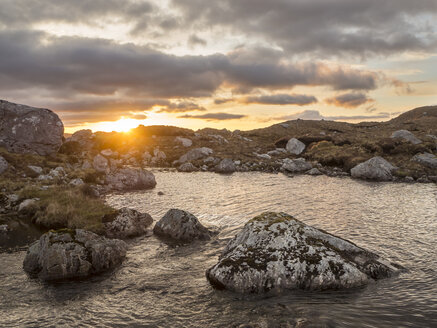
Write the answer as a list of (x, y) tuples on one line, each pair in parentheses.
[(162, 286)]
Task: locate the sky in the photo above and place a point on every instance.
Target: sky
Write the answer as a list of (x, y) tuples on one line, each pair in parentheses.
[(236, 64)]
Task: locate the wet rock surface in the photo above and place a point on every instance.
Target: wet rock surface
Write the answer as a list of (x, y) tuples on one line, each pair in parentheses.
[(25, 129), (128, 223), (276, 252), (67, 254), (181, 226)]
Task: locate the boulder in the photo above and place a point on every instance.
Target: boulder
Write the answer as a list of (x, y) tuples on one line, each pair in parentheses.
[(27, 204), (109, 153), (276, 252), (67, 254), (181, 226), (264, 156), (226, 166), (295, 147), (130, 179), (85, 138), (184, 141), (25, 129), (426, 159), (298, 165), (128, 223), (314, 171), (195, 154), (101, 164), (187, 167), (376, 168), (76, 182), (3, 165), (406, 135)]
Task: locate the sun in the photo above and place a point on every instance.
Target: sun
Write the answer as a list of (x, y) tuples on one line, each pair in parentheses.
[(122, 125)]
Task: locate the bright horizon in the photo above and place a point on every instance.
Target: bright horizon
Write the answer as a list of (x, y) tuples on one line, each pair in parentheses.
[(230, 64)]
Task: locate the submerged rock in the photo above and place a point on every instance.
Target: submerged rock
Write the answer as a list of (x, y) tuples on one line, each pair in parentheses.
[(295, 146), (406, 135), (25, 129), (128, 223), (181, 226), (376, 168), (226, 166), (66, 254), (426, 159), (298, 165), (3, 165), (195, 154), (275, 251), (130, 179)]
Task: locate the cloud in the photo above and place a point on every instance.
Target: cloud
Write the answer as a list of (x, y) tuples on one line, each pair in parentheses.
[(220, 101), (194, 40), (181, 107), (315, 115), (349, 100), (280, 99), (324, 28), (215, 116)]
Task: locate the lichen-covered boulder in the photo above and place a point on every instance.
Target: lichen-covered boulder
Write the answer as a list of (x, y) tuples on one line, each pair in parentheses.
[(128, 223), (195, 154), (298, 165), (181, 226), (407, 136), (25, 129), (226, 166), (294, 146), (277, 252), (130, 179), (3, 165), (67, 254), (426, 159), (376, 168)]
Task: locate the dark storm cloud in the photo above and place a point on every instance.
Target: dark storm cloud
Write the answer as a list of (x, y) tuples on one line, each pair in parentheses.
[(324, 27), (215, 116), (349, 100), (280, 99), (315, 115), (181, 107)]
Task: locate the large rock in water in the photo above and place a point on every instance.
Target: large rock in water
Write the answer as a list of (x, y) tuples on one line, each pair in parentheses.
[(181, 226), (376, 168), (407, 136), (295, 146), (275, 251), (298, 165), (25, 129), (128, 223), (66, 254), (226, 166), (130, 179)]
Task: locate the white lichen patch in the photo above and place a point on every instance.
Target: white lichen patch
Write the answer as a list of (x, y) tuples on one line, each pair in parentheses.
[(274, 251)]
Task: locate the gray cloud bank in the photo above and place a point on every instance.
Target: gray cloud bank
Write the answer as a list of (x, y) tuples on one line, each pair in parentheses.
[(315, 115)]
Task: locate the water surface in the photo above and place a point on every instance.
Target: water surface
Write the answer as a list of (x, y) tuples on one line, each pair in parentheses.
[(164, 286)]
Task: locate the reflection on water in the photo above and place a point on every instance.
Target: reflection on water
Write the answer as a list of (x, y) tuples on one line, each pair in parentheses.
[(162, 286)]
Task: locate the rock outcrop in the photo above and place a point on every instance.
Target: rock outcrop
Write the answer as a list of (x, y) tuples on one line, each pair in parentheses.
[(195, 154), (67, 254), (128, 223), (376, 168), (3, 165), (426, 159), (275, 251), (295, 146), (25, 129), (226, 166), (181, 226), (125, 179), (407, 136), (298, 165)]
